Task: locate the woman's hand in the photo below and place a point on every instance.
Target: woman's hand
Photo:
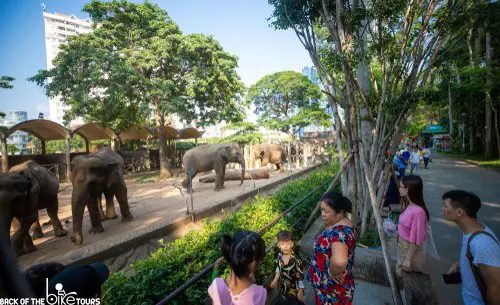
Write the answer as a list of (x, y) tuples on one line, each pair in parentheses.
[(406, 265), (338, 278), (454, 268)]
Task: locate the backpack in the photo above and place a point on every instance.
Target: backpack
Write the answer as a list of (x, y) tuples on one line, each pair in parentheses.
[(474, 268)]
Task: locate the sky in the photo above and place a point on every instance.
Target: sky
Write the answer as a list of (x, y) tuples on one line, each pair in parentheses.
[(241, 27)]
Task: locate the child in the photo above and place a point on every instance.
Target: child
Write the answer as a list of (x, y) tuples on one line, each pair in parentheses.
[(289, 272), (243, 252)]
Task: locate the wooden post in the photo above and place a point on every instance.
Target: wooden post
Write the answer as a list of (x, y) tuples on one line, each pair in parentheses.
[(195, 141), (87, 146), (68, 158), (307, 149), (251, 158), (44, 149), (5, 155), (297, 155)]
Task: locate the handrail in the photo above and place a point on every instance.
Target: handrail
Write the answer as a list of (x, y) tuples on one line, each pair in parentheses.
[(205, 271)]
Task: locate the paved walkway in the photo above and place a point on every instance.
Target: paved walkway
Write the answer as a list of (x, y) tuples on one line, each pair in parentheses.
[(446, 174)]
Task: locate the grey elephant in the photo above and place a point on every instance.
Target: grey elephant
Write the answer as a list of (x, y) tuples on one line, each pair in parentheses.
[(208, 157), (25, 189), (91, 176), (270, 153)]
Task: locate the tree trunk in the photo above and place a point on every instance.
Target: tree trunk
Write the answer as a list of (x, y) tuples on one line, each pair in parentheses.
[(165, 171), (450, 112), (472, 146), (497, 132), (488, 147)]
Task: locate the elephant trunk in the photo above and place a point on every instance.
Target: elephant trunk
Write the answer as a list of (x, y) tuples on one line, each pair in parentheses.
[(242, 162), (78, 200)]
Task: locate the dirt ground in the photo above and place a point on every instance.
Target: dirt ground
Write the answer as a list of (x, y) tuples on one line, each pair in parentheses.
[(153, 204)]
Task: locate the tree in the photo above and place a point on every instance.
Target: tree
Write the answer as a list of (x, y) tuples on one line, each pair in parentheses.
[(5, 82), (372, 57), (246, 133), (137, 62), (287, 101)]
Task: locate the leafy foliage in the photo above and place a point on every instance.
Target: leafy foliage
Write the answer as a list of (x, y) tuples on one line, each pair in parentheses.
[(286, 101), (170, 266), (5, 82), (137, 60), (246, 133)]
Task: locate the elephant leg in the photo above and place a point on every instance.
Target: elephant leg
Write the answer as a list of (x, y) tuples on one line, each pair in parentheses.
[(110, 206), (36, 230), (101, 212), (19, 236), (77, 210), (219, 178), (56, 223), (95, 219), (28, 245), (187, 183), (121, 196)]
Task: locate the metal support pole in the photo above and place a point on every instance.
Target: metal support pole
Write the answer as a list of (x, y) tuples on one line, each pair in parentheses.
[(5, 155), (44, 149), (68, 158)]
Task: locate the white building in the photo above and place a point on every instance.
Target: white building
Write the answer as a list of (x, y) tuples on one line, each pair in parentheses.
[(19, 138), (57, 28)]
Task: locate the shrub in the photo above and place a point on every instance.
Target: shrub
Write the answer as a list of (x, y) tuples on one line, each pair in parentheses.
[(170, 266)]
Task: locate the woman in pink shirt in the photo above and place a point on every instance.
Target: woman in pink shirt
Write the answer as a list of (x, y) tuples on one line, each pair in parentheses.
[(412, 226), (243, 252)]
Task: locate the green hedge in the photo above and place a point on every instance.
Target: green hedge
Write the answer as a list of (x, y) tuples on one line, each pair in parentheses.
[(169, 267)]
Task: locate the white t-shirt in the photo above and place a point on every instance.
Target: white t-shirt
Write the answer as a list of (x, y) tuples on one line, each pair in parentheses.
[(427, 153), (485, 251), (415, 157)]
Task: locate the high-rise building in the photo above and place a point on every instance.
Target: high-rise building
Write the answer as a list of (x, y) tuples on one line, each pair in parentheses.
[(18, 138), (312, 74), (57, 28)]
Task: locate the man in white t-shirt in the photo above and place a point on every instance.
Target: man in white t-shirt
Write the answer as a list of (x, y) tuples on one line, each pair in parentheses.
[(414, 160), (461, 207)]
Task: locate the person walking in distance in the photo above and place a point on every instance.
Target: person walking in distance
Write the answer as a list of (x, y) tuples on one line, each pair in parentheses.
[(426, 153), (414, 160), (479, 263)]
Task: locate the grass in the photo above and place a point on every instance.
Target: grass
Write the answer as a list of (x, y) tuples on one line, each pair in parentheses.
[(476, 159)]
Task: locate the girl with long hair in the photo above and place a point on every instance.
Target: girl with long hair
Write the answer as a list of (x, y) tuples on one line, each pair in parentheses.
[(412, 226)]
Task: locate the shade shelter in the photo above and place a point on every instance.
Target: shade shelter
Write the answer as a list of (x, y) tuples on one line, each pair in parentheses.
[(44, 130), (93, 131)]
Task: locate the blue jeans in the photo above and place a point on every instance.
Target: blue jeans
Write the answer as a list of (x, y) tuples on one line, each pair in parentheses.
[(414, 165)]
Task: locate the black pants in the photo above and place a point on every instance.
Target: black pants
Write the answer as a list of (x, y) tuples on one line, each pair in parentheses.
[(426, 161)]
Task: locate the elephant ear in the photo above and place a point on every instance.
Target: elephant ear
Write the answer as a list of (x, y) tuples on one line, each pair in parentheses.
[(33, 183), (221, 156), (111, 171)]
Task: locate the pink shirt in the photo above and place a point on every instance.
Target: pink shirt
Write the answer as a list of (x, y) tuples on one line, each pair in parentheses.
[(412, 225), (221, 294)]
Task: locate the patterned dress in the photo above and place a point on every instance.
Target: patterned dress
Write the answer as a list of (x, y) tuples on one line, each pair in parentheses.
[(327, 292), (290, 274)]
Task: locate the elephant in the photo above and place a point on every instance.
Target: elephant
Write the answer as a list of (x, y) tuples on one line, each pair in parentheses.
[(270, 153), (25, 189), (91, 176), (211, 156)]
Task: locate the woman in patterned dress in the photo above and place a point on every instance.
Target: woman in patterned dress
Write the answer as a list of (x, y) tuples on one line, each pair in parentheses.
[(330, 269)]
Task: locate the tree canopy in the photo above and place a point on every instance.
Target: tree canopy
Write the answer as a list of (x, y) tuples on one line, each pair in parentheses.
[(5, 82), (136, 62), (287, 101)]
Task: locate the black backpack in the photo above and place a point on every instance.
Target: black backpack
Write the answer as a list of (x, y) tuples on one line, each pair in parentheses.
[(474, 268)]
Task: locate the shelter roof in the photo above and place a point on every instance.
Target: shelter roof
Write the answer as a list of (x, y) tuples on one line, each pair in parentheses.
[(189, 133), (45, 130), (136, 132), (93, 131)]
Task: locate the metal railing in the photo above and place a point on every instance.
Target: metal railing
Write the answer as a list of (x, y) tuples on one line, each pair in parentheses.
[(207, 269)]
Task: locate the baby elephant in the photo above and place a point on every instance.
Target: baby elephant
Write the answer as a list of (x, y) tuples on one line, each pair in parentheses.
[(93, 175), (25, 189)]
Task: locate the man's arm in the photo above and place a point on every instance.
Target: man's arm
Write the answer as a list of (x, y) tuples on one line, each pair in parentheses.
[(491, 278), (454, 268)]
